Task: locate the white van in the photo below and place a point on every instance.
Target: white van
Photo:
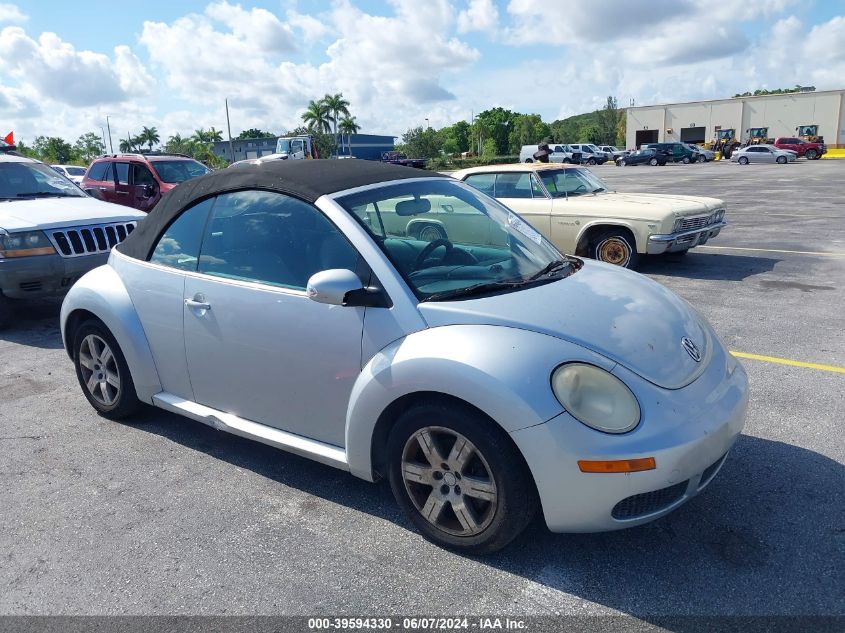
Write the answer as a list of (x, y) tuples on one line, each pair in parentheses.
[(561, 153)]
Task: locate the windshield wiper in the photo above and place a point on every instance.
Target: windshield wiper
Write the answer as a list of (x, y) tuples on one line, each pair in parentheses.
[(481, 288), (599, 189), (45, 194), (548, 269)]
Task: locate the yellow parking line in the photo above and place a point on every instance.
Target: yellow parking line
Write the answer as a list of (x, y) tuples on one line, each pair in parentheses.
[(786, 361), (773, 250)]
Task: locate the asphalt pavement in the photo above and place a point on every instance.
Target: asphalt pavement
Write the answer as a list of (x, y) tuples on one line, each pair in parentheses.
[(162, 515)]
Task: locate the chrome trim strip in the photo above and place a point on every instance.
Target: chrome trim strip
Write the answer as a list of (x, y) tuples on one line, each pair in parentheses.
[(675, 236)]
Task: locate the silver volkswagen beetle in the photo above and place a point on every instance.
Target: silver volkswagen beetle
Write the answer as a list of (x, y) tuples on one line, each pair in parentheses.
[(323, 308)]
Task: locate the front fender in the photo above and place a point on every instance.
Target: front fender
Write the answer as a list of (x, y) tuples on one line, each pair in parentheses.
[(102, 293), (640, 236), (503, 371)]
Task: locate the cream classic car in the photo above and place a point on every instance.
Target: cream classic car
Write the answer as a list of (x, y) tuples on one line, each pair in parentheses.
[(579, 213)]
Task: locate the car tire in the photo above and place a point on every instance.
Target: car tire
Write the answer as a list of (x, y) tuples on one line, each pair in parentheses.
[(102, 371), (477, 520), (566, 161), (654, 162), (431, 232), (591, 161), (811, 154), (529, 160), (742, 160), (6, 312), (615, 246), (621, 162), (685, 160), (781, 160)]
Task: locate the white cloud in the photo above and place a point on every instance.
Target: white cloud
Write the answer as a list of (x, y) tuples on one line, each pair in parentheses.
[(480, 15), (11, 14)]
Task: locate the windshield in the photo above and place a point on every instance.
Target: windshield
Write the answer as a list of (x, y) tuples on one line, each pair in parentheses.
[(563, 183), (450, 241), (19, 180), (75, 171), (283, 146), (176, 171)]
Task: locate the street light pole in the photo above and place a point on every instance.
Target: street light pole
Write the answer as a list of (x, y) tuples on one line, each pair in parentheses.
[(111, 147), (103, 134), (229, 128)]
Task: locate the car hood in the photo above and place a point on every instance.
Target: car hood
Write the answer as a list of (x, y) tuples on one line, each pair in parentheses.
[(54, 213), (649, 206), (622, 315)]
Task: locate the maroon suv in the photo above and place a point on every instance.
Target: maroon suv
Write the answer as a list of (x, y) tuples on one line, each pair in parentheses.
[(138, 180), (812, 151)]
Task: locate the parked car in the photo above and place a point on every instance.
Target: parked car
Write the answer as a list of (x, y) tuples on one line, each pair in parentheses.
[(561, 153), (811, 151), (51, 233), (581, 215), (675, 152), (643, 157), (613, 151), (705, 155), (139, 180), (763, 154), (364, 348), (590, 154), (74, 173), (398, 158)]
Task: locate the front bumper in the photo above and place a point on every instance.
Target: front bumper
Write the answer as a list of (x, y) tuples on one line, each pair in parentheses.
[(688, 431), (44, 275), (674, 242)]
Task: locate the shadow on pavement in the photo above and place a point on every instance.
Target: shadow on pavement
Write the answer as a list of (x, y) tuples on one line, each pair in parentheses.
[(763, 539), (712, 266), (36, 324)]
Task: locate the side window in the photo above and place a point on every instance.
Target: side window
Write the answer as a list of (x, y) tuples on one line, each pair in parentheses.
[(271, 238), (122, 173), (179, 247), (141, 175), (536, 188), (108, 174), (97, 171), (483, 182), (513, 185)]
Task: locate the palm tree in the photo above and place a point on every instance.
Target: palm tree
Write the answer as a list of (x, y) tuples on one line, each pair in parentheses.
[(317, 116), (200, 136), (126, 146), (348, 126), (336, 105), (214, 135), (149, 135)]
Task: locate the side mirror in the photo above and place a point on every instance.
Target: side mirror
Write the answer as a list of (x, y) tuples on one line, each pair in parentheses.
[(332, 286), (149, 191)]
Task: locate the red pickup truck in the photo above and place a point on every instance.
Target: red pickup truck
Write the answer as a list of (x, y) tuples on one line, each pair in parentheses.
[(812, 151)]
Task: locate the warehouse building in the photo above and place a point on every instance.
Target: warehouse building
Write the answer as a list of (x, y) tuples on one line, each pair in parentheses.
[(368, 146), (699, 121)]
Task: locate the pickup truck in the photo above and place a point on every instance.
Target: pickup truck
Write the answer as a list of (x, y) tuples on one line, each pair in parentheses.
[(811, 151), (398, 158)]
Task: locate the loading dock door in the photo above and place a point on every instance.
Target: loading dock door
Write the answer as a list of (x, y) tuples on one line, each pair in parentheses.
[(645, 136), (693, 135)]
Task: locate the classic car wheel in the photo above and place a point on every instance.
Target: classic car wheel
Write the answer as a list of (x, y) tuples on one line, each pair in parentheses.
[(457, 476), (781, 160), (5, 312), (653, 162), (103, 373), (614, 247), (742, 160), (431, 232), (529, 160), (811, 154)]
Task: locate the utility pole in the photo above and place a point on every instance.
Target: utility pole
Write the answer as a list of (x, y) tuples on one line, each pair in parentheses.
[(111, 147), (103, 134), (229, 128)]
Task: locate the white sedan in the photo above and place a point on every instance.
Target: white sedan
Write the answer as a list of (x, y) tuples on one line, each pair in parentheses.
[(763, 154), (74, 173)]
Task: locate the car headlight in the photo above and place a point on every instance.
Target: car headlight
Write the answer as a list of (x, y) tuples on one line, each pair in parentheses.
[(25, 244), (596, 397), (677, 227)]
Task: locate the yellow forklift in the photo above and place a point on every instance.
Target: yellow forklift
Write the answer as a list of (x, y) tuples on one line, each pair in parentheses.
[(725, 142), (809, 133), (759, 135)]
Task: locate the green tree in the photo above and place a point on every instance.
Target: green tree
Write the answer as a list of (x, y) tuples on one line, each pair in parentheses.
[(608, 122), (498, 123), (214, 135), (89, 146), (336, 106), (590, 134), (455, 138), (176, 144), (489, 150), (528, 129), (53, 149), (317, 117), (422, 143), (254, 133), (149, 135)]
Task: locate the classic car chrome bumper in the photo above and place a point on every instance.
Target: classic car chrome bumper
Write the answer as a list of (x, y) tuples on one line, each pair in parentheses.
[(675, 242)]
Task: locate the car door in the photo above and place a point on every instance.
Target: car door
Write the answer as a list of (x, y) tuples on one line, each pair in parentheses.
[(122, 190), (100, 181), (144, 188), (256, 345)]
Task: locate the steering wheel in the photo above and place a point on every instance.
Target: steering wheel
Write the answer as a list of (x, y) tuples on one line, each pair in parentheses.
[(430, 248), (581, 187)]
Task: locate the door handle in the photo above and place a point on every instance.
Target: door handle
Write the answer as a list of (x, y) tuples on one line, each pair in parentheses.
[(197, 305), (103, 188)]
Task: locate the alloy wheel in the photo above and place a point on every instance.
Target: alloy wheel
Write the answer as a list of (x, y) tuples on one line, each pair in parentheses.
[(99, 368), (449, 482)]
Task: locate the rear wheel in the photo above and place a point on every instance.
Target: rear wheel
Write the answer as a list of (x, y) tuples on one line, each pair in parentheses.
[(743, 160), (5, 312), (592, 161), (615, 246), (621, 162), (653, 162), (431, 232), (811, 154), (458, 477), (781, 160), (102, 372), (685, 160)]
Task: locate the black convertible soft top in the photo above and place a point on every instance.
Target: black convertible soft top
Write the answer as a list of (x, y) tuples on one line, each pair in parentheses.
[(304, 179)]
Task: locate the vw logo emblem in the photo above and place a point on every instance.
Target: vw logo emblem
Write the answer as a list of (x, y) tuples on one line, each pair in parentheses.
[(691, 348)]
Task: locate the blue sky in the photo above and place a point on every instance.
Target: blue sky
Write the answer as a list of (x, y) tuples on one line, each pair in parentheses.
[(64, 67)]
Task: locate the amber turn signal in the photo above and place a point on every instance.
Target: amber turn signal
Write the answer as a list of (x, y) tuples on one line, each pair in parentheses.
[(617, 465)]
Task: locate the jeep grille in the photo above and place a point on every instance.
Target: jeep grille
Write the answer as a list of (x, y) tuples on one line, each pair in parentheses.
[(90, 240)]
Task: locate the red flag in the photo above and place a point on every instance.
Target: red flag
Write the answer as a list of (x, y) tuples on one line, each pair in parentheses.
[(10, 138)]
